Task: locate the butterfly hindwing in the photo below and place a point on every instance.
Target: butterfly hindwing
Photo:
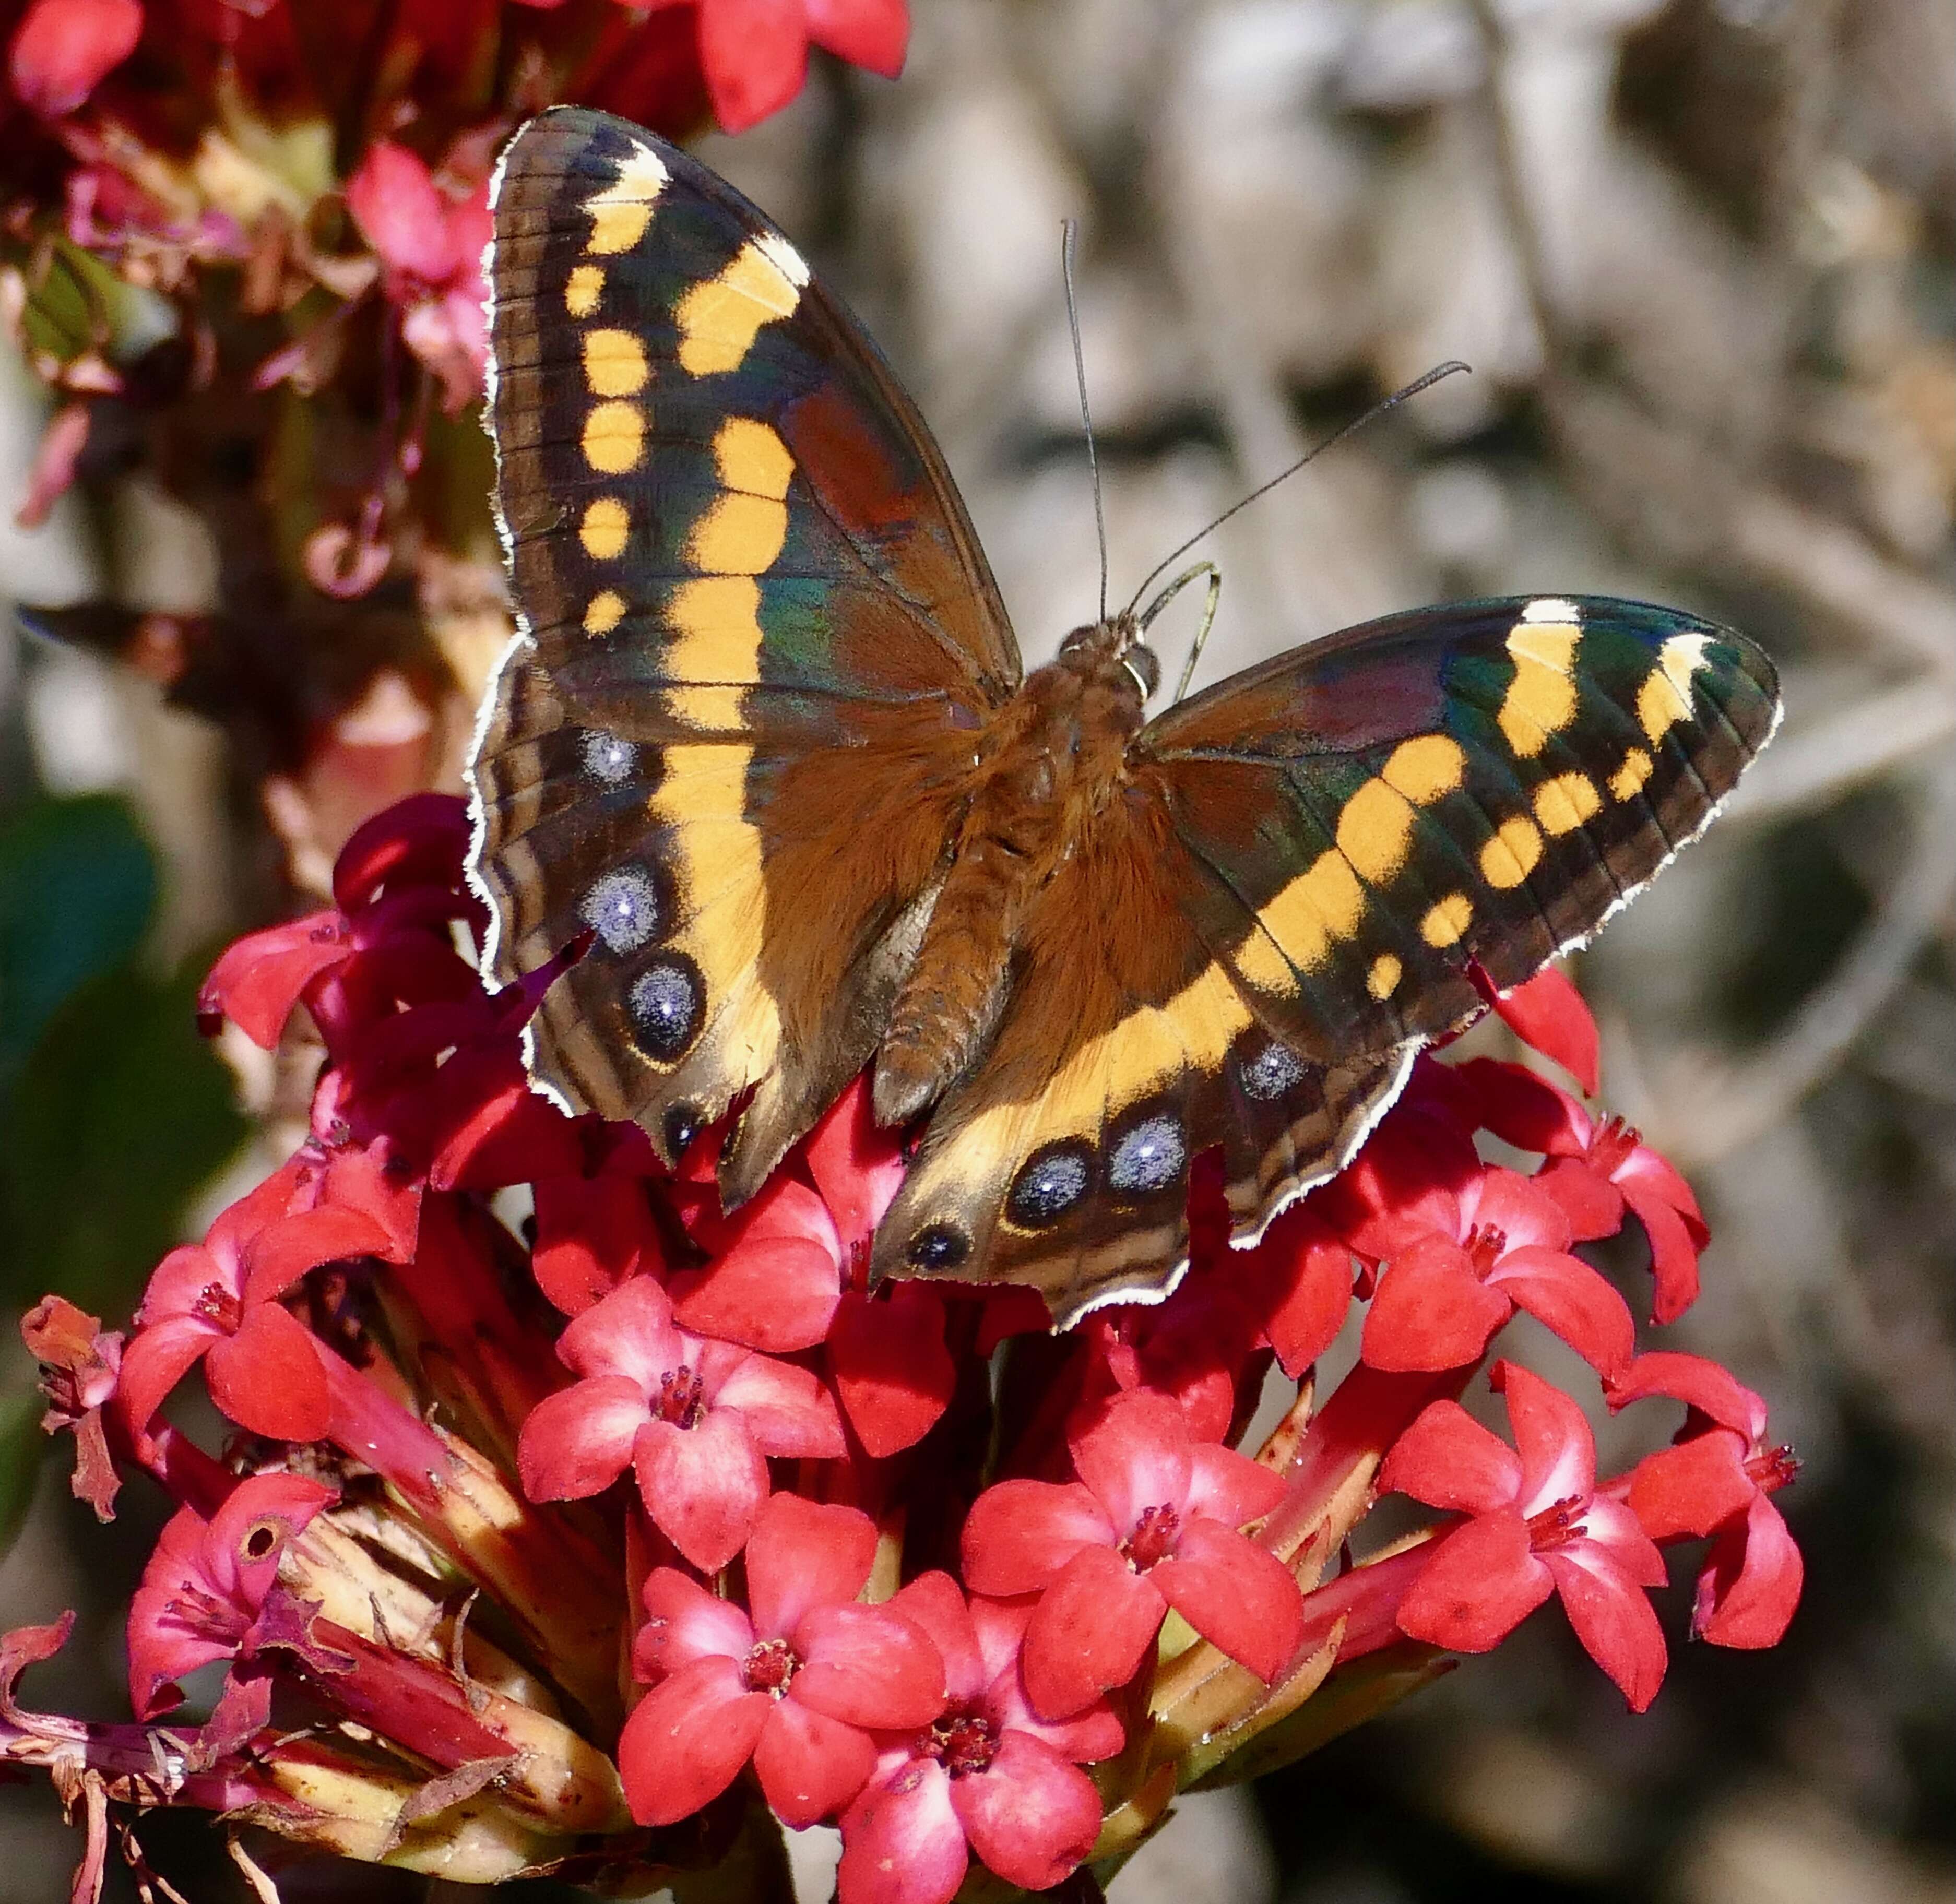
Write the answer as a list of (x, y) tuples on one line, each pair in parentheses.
[(741, 565), (1311, 859)]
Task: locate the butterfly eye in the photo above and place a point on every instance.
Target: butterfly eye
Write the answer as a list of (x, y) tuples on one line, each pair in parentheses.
[(1139, 661)]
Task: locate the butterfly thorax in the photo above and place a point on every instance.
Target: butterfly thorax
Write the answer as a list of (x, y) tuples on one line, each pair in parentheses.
[(1048, 762)]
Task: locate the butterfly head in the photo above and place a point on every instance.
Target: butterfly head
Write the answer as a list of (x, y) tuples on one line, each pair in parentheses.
[(1116, 643)]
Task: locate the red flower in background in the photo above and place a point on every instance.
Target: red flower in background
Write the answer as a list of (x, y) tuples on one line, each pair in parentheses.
[(1152, 1523), (989, 1774), (1715, 1479), (796, 1684), (756, 51), (1538, 1526), (62, 48), (695, 1417)]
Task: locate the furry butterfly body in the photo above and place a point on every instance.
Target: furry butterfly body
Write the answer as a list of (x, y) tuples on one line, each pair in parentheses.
[(763, 735)]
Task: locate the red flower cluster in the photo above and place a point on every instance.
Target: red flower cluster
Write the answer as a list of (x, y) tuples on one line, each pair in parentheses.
[(891, 1558)]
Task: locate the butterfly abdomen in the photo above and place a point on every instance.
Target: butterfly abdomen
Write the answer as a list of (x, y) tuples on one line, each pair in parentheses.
[(1052, 758)]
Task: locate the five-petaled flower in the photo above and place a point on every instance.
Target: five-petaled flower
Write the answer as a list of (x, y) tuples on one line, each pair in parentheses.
[(217, 1302), (208, 1581), (1151, 1523), (796, 1681), (1715, 1479), (1539, 1525), (695, 1418), (988, 1773)]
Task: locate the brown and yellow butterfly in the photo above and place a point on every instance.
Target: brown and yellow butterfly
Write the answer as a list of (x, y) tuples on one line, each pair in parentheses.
[(763, 733)]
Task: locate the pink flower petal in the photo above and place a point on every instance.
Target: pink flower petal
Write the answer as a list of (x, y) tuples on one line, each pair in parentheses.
[(1565, 1294), (593, 1235), (804, 1554), (1609, 1525), (63, 49), (1558, 1452), (282, 1252), (1693, 1488), (1135, 1457), (1092, 1629), (810, 1765), (934, 1602), (858, 1168), (1674, 1250), (902, 1841), (267, 1378), (684, 1622), (1237, 1595), (1747, 1594), (392, 198), (892, 1371), (873, 33), (247, 1534), (1548, 1013), (156, 1360), (1306, 1274), (1019, 1534), (1612, 1619), (576, 1442), (1431, 1311), (1483, 1580), (259, 978), (787, 1409), (869, 1666), (1699, 1383), (687, 1739), (1230, 1487), (772, 1293), (756, 56), (1446, 1459), (1030, 1816), (702, 1486), (629, 1332)]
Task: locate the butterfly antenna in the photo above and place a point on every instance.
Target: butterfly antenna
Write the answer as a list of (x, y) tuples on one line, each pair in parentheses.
[(1069, 236), (1378, 409)]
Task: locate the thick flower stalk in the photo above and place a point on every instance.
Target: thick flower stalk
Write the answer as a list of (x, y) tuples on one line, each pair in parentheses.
[(570, 1525)]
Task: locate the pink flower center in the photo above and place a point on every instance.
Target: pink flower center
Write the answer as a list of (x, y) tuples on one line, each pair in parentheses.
[(1485, 1245), (1772, 1468), (204, 1616), (1610, 1144), (216, 1304), (963, 1740), (682, 1402), (1558, 1524), (1153, 1538), (771, 1665)]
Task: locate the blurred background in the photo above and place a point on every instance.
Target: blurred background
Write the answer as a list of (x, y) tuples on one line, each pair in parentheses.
[(1701, 257)]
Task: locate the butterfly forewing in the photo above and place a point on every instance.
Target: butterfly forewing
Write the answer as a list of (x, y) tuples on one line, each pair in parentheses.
[(758, 633)]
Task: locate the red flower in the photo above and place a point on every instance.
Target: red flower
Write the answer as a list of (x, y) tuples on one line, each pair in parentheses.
[(1594, 1170), (990, 1773), (1539, 1526), (776, 1274), (596, 1231), (1463, 1260), (1549, 1013), (1151, 1523), (431, 245), (696, 1418), (208, 1581), (1714, 1479), (62, 48), (756, 51), (216, 1302), (80, 1363), (795, 1684)]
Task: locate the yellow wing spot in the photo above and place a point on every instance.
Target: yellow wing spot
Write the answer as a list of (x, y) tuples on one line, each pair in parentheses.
[(1445, 922), (1551, 608), (1306, 918), (621, 211), (1629, 779), (1374, 830), (606, 525), (752, 458), (614, 437), (1664, 699), (1384, 975), (708, 708), (1426, 768), (716, 625), (614, 362), (606, 612), (1562, 804), (1541, 700), (718, 320), (739, 535), (582, 289), (1512, 854)]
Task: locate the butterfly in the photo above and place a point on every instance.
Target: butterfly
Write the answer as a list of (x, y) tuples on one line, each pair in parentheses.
[(764, 738)]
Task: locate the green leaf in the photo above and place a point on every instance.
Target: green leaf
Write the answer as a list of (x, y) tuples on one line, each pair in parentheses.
[(120, 1113), (77, 886)]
